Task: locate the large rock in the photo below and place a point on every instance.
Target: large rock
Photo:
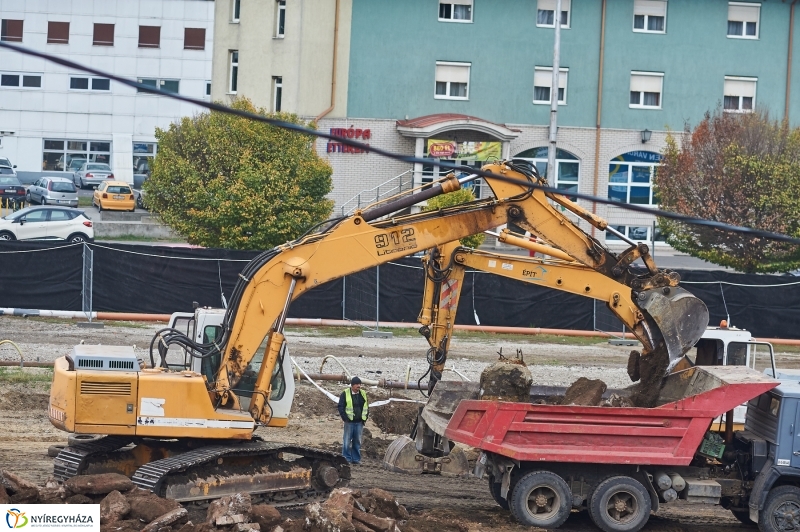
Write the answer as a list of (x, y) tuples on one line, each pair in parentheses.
[(584, 392), (4, 498), (386, 505), (320, 518), (113, 508), (78, 498), (52, 495), (506, 380), (19, 490), (268, 517), (341, 499), (378, 524), (229, 510), (147, 506), (100, 484), (173, 516)]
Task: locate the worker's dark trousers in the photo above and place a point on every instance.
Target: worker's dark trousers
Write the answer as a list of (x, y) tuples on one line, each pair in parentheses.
[(351, 442)]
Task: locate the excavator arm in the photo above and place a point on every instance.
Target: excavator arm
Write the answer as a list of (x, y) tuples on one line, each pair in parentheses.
[(378, 235)]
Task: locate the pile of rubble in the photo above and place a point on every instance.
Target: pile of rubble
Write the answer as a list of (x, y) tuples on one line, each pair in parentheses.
[(126, 508)]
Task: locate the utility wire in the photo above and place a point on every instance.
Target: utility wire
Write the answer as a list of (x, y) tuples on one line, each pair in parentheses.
[(756, 233)]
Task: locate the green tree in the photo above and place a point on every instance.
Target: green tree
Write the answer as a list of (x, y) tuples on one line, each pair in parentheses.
[(740, 169), (462, 195), (224, 181)]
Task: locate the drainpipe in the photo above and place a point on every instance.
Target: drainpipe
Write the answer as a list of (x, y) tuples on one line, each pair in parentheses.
[(789, 61), (335, 55), (600, 106)]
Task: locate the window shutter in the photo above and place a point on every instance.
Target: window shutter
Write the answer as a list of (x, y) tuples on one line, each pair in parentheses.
[(11, 30), (645, 83), (57, 32), (740, 87), (656, 8), (543, 77), (550, 5), (194, 38), (103, 35), (457, 2), (742, 13), (452, 73), (149, 36)]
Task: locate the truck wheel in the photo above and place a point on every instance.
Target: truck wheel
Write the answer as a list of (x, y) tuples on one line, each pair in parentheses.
[(542, 499), (781, 511), (620, 504), (494, 489)]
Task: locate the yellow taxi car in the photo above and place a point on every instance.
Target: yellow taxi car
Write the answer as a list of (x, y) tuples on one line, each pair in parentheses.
[(114, 196)]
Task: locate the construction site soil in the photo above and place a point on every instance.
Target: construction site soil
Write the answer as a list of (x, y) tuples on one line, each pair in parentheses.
[(436, 504)]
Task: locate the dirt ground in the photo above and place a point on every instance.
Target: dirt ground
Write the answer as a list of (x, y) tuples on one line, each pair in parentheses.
[(437, 504)]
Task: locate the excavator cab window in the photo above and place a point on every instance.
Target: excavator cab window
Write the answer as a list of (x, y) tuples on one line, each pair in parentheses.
[(244, 389), (210, 365)]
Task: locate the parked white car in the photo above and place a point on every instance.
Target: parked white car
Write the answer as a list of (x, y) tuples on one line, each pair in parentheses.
[(47, 223)]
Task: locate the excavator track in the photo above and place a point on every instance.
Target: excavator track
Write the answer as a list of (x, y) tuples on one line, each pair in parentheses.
[(73, 460), (283, 475)]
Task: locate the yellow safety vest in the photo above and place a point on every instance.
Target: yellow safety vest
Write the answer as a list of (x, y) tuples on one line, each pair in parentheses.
[(348, 407)]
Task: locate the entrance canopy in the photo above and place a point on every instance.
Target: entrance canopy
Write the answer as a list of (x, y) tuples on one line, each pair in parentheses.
[(432, 125)]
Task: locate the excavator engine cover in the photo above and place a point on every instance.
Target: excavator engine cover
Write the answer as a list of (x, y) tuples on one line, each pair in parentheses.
[(681, 317)]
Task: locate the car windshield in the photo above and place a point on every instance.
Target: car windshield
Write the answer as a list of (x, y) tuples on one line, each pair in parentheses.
[(62, 186), (118, 190), (9, 181), (98, 167), (6, 170)]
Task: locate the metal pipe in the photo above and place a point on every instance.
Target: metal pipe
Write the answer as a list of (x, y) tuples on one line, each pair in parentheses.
[(552, 171), (21, 364), (729, 426), (436, 189), (789, 61), (282, 317), (622, 236), (381, 383), (335, 56), (599, 106)]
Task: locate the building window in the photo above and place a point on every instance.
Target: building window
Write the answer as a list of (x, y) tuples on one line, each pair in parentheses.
[(646, 90), (70, 155), (464, 154), (649, 16), (83, 83), (545, 14), (166, 85), (236, 6), (543, 79), (143, 154), (16, 80), (208, 88), (740, 94), (452, 81), (277, 93), (233, 75), (280, 18), (637, 233), (103, 35), (194, 39), (630, 177), (11, 30), (149, 36), (743, 20), (455, 11), (57, 32), (568, 168)]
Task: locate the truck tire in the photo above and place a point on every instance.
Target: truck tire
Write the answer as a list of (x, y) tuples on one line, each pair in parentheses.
[(74, 439), (541, 499), (494, 489), (781, 511), (620, 504)]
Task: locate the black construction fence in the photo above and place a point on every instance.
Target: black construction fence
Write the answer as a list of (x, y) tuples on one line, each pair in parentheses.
[(164, 279)]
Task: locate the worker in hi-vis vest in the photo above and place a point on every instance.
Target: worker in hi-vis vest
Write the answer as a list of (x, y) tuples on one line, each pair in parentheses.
[(354, 410)]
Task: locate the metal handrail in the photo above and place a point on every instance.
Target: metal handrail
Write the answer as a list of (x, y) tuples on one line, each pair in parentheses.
[(374, 194)]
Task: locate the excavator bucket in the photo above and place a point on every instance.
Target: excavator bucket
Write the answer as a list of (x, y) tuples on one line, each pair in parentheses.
[(430, 451), (681, 317)]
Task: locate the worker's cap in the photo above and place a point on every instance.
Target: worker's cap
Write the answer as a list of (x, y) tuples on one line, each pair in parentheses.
[(355, 380)]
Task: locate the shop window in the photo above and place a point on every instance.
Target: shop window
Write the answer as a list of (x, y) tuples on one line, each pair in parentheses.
[(472, 154), (543, 79), (740, 94), (649, 16), (69, 155), (546, 10), (630, 178), (194, 38), (103, 35), (452, 81), (57, 32), (149, 36), (568, 168)]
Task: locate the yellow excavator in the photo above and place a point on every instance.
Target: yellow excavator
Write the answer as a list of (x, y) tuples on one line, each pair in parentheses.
[(187, 430)]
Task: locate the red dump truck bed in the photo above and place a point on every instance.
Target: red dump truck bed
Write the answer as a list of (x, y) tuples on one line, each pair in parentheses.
[(666, 435)]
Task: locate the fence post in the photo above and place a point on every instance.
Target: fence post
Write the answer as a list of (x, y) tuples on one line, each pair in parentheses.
[(88, 263)]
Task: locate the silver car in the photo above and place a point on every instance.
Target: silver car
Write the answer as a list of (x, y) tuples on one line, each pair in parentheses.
[(92, 174), (53, 191)]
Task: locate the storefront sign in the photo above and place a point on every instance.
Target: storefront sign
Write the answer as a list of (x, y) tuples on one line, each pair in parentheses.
[(472, 151), (350, 133)]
